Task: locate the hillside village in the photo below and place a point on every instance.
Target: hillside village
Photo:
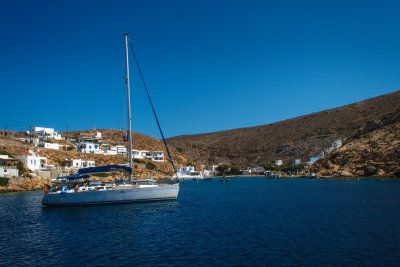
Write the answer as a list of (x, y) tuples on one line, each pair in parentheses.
[(358, 140), (46, 153)]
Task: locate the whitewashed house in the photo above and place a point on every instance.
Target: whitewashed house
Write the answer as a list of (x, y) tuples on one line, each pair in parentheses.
[(210, 173), (45, 133), (52, 146), (7, 166), (115, 150), (110, 151), (90, 145), (247, 171), (188, 172), (34, 162), (79, 163), (157, 156), (152, 155)]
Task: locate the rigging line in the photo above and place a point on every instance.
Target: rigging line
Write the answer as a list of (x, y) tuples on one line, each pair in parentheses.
[(152, 107)]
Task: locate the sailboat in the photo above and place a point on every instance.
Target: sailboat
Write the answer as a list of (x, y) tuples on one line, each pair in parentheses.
[(77, 189)]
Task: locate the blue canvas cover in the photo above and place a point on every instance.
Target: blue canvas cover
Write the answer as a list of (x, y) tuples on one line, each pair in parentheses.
[(74, 176), (105, 169)]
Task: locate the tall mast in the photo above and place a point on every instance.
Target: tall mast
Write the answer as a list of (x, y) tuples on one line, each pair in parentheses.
[(129, 106)]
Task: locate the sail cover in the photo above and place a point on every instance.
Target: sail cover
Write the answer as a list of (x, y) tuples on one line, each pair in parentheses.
[(103, 169)]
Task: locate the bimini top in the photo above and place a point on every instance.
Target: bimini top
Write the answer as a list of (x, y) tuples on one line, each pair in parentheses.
[(105, 169), (74, 176), (84, 173)]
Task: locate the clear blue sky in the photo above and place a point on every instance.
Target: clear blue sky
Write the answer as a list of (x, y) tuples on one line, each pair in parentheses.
[(209, 65)]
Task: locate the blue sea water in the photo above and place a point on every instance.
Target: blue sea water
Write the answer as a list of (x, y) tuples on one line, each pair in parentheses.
[(247, 221)]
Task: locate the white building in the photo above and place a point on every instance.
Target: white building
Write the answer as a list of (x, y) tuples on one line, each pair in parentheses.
[(115, 150), (45, 133), (7, 167), (152, 155), (188, 172), (34, 162), (52, 146), (210, 173), (79, 163), (278, 162), (247, 171), (90, 145)]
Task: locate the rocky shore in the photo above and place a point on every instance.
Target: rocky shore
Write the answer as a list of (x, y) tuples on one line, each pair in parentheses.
[(22, 184), (33, 181)]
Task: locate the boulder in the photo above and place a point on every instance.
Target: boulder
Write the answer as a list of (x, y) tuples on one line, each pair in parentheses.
[(360, 173), (369, 170), (345, 174)]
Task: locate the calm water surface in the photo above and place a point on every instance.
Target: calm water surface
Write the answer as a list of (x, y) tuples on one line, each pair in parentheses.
[(247, 221)]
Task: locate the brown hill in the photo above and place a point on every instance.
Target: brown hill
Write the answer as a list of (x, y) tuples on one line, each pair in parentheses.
[(301, 137)]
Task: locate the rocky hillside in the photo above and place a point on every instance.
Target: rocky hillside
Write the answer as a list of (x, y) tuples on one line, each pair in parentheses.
[(114, 137), (140, 142), (373, 152), (301, 137)]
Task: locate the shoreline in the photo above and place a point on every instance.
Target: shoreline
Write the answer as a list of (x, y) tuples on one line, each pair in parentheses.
[(36, 187)]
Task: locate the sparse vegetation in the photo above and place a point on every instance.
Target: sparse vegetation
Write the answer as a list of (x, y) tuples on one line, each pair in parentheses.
[(234, 170), (223, 169), (21, 168), (3, 181), (139, 161), (59, 162), (102, 175), (3, 152), (269, 166), (151, 166)]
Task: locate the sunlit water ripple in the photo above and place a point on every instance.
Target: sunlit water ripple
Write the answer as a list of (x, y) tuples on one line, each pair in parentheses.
[(247, 221)]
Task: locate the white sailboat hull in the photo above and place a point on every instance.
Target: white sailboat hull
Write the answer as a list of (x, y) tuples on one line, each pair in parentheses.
[(165, 192)]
